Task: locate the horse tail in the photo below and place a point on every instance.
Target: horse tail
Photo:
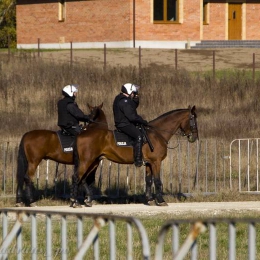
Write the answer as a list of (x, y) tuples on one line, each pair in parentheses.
[(22, 163)]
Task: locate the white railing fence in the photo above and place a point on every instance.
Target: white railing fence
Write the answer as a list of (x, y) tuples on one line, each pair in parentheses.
[(205, 167), (44, 234)]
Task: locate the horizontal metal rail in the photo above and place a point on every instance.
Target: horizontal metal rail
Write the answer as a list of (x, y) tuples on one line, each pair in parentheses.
[(187, 169), (65, 218), (204, 167), (23, 229), (251, 226)]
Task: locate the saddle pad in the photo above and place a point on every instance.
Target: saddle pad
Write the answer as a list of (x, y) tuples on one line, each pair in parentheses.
[(122, 139), (66, 142)]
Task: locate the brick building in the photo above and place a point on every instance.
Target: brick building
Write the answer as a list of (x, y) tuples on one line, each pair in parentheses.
[(133, 23)]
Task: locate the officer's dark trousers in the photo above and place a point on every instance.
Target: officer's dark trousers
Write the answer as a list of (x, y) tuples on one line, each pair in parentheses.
[(136, 135), (73, 130)]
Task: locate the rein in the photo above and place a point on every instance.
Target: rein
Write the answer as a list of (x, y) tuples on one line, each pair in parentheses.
[(193, 129), (158, 130), (101, 123)]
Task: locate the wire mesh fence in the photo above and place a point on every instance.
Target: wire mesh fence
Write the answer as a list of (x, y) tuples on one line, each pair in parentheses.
[(188, 168)]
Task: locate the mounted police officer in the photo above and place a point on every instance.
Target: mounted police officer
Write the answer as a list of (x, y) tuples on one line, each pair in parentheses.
[(69, 113), (126, 117)]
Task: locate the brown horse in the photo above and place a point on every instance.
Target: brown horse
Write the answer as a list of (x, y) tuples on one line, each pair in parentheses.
[(37, 145), (95, 145)]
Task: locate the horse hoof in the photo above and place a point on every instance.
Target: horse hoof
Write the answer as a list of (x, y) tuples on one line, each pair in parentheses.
[(75, 204), (19, 204), (161, 203), (33, 205), (151, 203), (87, 203)]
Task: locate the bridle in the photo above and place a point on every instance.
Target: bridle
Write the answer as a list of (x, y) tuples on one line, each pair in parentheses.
[(193, 127)]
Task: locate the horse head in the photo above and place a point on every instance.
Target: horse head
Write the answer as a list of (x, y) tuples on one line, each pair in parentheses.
[(97, 115), (189, 126)]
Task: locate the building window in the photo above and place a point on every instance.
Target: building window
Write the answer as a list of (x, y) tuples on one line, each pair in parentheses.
[(205, 12), (166, 10), (62, 10)]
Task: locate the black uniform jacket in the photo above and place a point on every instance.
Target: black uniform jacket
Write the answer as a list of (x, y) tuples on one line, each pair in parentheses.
[(69, 113), (124, 109)]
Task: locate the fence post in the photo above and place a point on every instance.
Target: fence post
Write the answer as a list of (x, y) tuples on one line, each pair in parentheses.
[(105, 57), (176, 59), (9, 51), (71, 57), (253, 67), (140, 66), (38, 47), (214, 65)]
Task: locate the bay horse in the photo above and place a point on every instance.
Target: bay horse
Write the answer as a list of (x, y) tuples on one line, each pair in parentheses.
[(95, 145), (37, 145)]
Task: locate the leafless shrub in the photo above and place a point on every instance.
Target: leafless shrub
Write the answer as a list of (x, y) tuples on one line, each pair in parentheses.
[(227, 106)]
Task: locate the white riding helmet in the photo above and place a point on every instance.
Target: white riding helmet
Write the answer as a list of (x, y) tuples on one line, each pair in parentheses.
[(128, 88), (70, 89)]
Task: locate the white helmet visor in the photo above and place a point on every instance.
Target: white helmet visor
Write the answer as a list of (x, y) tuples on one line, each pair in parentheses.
[(131, 88), (70, 89)]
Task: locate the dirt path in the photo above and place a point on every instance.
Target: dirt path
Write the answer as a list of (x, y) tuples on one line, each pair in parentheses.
[(174, 209), (193, 60)]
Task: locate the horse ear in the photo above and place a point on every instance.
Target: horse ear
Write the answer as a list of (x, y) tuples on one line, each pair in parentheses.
[(101, 105), (193, 109)]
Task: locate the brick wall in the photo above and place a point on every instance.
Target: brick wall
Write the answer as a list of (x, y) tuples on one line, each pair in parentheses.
[(85, 21), (147, 30), (253, 21), (215, 30), (112, 20)]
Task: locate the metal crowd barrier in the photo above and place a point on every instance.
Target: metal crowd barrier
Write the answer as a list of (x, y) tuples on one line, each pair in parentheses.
[(43, 234), (204, 167), (211, 241), (23, 235), (245, 165), (189, 168)]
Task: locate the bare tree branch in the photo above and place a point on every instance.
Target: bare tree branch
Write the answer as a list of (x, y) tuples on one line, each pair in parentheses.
[(2, 15)]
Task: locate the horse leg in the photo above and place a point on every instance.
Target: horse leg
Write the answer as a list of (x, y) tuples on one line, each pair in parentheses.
[(29, 184), (88, 194), (74, 190), (88, 184), (29, 192), (148, 187), (158, 192), (19, 193), (22, 167)]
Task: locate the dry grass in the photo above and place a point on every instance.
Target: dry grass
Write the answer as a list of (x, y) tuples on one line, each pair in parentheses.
[(227, 106)]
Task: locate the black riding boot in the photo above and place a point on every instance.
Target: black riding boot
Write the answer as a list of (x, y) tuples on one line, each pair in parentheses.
[(138, 152)]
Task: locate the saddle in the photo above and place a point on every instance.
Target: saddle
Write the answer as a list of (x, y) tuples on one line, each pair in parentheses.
[(66, 140), (123, 140)]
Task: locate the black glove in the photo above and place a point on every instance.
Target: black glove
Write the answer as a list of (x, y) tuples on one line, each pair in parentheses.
[(136, 100), (145, 123), (87, 119)]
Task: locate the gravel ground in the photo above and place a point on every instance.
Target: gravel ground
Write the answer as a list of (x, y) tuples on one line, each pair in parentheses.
[(173, 209), (193, 60)]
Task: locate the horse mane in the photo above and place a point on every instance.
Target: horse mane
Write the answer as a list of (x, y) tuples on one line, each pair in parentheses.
[(167, 113)]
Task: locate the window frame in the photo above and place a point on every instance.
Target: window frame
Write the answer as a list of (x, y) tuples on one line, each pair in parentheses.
[(205, 9), (165, 21), (61, 10)]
